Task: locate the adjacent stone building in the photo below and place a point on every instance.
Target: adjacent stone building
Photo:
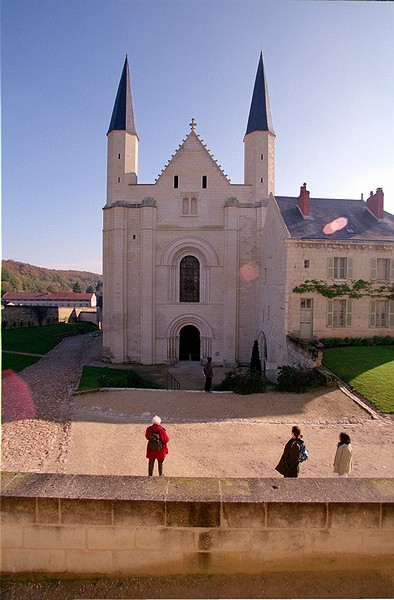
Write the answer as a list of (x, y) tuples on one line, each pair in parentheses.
[(62, 299), (195, 265)]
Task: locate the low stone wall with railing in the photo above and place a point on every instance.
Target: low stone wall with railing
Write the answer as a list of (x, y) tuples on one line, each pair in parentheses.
[(301, 356), (128, 526)]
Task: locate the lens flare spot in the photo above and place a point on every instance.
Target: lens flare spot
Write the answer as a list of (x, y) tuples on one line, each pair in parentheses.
[(16, 402), (335, 225), (249, 272)]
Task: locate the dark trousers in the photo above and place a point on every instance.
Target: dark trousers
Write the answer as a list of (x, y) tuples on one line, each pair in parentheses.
[(151, 464), (208, 383)]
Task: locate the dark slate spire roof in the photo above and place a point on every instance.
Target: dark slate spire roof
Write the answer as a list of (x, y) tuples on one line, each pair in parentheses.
[(260, 112), (123, 113)]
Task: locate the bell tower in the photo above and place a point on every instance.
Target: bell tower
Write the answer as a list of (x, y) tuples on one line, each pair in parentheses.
[(259, 140), (122, 157)]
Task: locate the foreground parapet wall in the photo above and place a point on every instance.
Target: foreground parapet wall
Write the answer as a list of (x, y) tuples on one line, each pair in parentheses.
[(118, 526)]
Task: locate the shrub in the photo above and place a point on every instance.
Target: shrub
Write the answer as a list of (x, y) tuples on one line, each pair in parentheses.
[(298, 379), (255, 362), (376, 340), (240, 382)]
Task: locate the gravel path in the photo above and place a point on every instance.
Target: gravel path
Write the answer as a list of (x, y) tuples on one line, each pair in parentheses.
[(36, 445), (217, 434)]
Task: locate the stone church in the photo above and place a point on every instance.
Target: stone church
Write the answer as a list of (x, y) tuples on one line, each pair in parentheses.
[(197, 266)]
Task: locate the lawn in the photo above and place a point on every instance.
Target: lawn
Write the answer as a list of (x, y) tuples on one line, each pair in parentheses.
[(35, 340), (369, 370), (94, 378)]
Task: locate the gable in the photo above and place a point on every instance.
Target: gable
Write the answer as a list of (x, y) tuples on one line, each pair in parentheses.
[(191, 163)]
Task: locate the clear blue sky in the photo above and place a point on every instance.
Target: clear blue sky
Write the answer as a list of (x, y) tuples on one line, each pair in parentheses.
[(330, 71)]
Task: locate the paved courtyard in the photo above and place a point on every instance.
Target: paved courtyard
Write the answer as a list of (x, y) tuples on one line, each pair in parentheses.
[(213, 435)]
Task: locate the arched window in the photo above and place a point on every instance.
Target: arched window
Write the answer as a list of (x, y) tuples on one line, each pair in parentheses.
[(189, 279)]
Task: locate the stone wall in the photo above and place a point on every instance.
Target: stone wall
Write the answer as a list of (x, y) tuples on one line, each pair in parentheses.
[(123, 526), (33, 316), (297, 356), (28, 316)]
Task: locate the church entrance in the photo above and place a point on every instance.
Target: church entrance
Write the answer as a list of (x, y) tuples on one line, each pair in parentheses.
[(189, 343)]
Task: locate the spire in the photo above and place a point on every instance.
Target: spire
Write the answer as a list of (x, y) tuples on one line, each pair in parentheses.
[(123, 113), (260, 113)]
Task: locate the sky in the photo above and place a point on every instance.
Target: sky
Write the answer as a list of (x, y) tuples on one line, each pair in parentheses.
[(330, 74)]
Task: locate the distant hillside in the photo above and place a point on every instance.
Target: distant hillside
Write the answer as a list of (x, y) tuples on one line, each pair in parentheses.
[(22, 277)]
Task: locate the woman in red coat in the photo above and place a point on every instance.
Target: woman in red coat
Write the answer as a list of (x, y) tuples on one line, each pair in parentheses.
[(157, 445)]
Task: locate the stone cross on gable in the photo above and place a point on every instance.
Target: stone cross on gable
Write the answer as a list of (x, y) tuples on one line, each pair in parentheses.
[(193, 124)]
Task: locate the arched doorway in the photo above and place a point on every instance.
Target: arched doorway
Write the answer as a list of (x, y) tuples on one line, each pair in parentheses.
[(189, 343)]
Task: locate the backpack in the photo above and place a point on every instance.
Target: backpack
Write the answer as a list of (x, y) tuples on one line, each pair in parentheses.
[(154, 442), (304, 452)]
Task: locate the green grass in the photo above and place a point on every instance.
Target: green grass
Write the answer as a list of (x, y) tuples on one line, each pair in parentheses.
[(94, 378), (35, 340), (17, 362), (369, 370)]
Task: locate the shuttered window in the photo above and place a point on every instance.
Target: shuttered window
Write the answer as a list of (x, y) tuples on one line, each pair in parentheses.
[(381, 313), (339, 267), (339, 313), (382, 269)]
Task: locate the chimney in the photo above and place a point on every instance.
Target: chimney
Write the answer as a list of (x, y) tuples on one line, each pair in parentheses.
[(303, 201), (375, 203)]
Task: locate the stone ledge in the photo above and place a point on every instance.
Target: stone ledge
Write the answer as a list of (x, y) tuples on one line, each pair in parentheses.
[(201, 490)]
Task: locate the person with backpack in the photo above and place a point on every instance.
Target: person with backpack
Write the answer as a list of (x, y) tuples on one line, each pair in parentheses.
[(157, 445), (294, 452), (343, 456)]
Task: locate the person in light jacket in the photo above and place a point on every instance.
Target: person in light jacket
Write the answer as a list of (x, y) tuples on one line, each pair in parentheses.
[(162, 452), (343, 456)]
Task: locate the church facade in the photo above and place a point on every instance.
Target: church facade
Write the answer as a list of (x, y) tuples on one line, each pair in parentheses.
[(191, 266)]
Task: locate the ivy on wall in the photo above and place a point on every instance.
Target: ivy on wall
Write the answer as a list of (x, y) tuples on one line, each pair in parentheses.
[(357, 289)]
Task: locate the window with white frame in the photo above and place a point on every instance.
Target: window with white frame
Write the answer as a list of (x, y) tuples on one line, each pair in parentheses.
[(381, 313), (339, 267), (306, 308), (339, 313), (382, 269)]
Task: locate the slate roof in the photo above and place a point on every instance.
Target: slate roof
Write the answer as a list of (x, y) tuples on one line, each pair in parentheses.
[(123, 112), (260, 112), (361, 224), (71, 296)]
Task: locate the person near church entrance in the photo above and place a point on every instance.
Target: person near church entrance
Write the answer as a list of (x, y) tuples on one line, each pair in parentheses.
[(208, 372), (343, 456), (157, 445), (288, 465)]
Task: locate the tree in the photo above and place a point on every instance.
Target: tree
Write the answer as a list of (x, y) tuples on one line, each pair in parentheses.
[(255, 363), (90, 289), (77, 288)]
